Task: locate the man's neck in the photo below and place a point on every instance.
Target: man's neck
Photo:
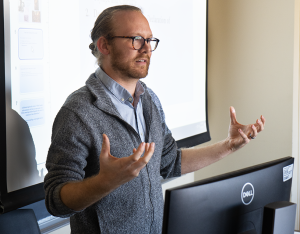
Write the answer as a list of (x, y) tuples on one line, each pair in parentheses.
[(127, 83)]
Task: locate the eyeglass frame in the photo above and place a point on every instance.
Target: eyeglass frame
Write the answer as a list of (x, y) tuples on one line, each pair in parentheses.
[(133, 38)]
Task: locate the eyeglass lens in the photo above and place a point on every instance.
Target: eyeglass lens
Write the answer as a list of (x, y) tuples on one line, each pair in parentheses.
[(138, 43)]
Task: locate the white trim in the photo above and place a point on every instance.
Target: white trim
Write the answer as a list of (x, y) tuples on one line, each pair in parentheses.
[(296, 113)]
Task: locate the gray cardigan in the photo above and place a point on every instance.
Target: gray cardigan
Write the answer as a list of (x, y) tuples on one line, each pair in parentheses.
[(135, 207)]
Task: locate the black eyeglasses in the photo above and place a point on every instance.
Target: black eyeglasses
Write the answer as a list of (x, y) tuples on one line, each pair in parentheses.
[(138, 42)]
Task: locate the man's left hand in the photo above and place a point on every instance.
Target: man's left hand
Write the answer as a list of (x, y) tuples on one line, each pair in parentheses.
[(239, 135)]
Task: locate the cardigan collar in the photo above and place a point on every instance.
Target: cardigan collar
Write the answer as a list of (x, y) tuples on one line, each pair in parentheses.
[(104, 103)]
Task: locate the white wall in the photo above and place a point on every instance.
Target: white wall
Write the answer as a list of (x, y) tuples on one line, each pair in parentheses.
[(250, 66)]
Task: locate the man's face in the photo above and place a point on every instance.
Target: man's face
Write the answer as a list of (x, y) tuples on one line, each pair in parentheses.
[(125, 61)]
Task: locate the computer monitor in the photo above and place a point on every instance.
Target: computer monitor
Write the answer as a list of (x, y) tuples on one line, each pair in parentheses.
[(230, 203)]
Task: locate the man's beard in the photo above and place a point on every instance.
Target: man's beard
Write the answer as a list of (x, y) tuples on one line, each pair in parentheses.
[(125, 67)]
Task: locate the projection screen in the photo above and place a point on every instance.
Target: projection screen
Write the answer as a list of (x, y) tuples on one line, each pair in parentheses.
[(46, 56)]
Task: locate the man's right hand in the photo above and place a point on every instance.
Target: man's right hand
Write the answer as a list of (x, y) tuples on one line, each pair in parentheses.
[(113, 173), (117, 171)]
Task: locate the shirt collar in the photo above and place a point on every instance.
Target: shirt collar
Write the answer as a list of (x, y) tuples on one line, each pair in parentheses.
[(117, 90)]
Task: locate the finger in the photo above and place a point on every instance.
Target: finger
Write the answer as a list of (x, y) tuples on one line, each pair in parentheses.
[(150, 151), (263, 120), (134, 150), (137, 154), (244, 136), (105, 150), (232, 115), (254, 131), (147, 147), (148, 154), (142, 162), (261, 125)]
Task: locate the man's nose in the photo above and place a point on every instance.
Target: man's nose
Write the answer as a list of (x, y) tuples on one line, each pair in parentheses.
[(146, 47)]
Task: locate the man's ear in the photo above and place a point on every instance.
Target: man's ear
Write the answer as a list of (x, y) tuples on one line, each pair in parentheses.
[(102, 45)]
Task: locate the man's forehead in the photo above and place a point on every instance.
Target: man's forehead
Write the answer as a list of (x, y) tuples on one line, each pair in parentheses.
[(131, 22)]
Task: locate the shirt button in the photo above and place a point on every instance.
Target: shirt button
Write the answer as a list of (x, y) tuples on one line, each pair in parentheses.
[(122, 99), (130, 99)]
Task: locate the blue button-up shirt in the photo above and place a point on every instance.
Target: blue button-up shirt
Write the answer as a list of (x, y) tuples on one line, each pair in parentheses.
[(122, 99)]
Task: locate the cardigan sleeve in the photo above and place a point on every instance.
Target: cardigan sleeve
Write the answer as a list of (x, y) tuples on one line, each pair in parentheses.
[(66, 159)]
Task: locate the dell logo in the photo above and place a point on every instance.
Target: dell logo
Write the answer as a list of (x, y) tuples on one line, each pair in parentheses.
[(247, 194)]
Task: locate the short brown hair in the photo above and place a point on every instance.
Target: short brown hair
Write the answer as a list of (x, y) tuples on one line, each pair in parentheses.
[(103, 27)]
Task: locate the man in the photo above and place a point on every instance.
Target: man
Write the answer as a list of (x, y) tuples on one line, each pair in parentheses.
[(112, 116)]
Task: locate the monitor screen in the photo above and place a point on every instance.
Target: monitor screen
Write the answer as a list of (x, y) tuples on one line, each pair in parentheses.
[(230, 203)]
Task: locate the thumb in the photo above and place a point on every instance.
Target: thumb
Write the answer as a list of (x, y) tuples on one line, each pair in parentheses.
[(105, 151), (232, 115)]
